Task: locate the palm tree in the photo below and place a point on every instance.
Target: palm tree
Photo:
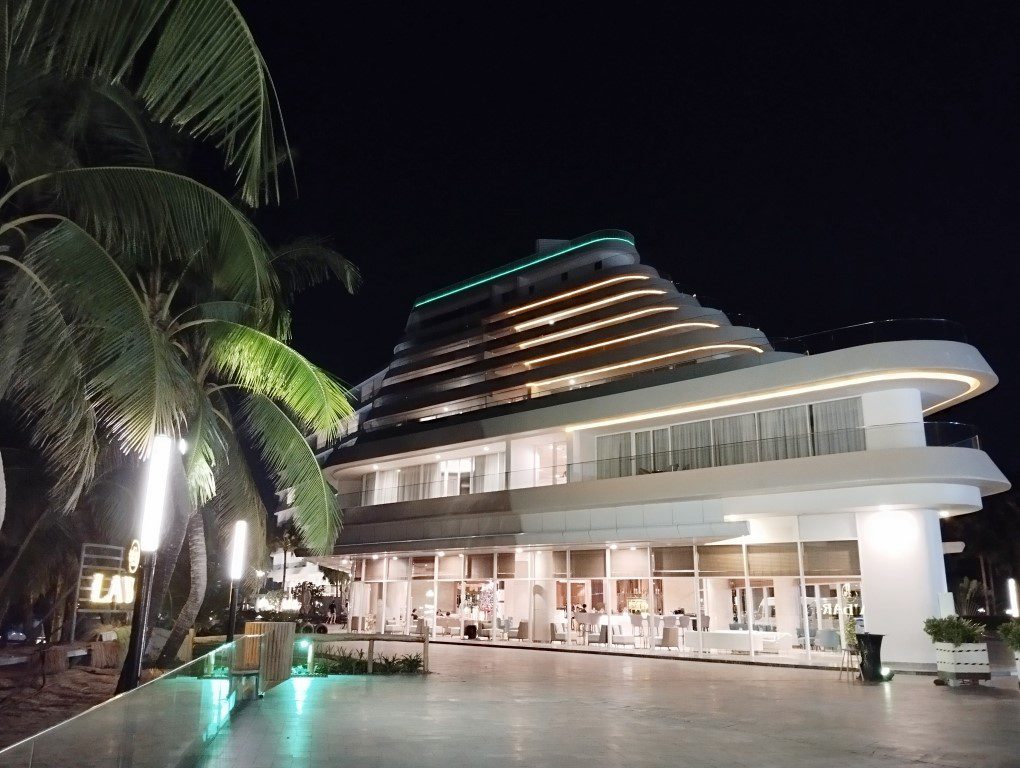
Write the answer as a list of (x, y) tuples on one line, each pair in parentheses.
[(82, 80), (138, 301)]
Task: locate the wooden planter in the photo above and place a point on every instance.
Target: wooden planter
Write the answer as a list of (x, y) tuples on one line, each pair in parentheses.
[(957, 663)]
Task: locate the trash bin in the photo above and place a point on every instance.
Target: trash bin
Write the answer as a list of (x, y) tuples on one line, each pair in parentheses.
[(870, 646), (471, 631)]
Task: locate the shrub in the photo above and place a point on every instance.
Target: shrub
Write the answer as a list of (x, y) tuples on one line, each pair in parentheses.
[(346, 662), (1010, 632), (953, 629)]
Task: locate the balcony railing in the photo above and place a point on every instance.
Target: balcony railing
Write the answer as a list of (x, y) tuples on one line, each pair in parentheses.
[(905, 329), (910, 434)]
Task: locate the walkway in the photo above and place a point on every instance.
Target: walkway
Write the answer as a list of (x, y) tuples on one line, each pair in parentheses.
[(514, 707), (502, 706)]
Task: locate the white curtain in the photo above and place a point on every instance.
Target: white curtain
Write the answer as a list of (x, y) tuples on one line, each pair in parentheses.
[(838, 426), (660, 449), (368, 490), (643, 453), (386, 486), (735, 439), (487, 474), (613, 452), (692, 445), (784, 433), (431, 482), (410, 484)]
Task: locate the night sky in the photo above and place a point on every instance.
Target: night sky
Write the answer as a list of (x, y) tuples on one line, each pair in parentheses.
[(809, 169)]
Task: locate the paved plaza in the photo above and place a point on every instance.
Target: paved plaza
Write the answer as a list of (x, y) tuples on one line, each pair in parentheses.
[(492, 706), (497, 706)]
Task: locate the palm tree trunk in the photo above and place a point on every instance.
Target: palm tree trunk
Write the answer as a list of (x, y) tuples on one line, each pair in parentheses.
[(176, 527), (12, 566), (196, 595)]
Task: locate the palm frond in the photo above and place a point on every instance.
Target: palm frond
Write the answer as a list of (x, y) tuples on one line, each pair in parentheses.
[(136, 382), (145, 213), (47, 381), (307, 262), (206, 450), (208, 77), (201, 70), (290, 460), (237, 498), (260, 363)]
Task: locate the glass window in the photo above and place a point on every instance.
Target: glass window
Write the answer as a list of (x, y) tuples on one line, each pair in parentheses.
[(451, 567), (831, 558), (735, 439), (480, 566), (692, 445), (587, 563), (613, 453), (667, 560), (506, 565), (784, 433), (628, 562), (660, 448), (838, 426), (374, 569), (423, 567), (721, 560), (773, 560), (643, 453)]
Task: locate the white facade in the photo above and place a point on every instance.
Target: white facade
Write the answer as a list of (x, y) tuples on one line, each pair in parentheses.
[(729, 485)]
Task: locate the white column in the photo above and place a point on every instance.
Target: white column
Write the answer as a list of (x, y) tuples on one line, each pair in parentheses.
[(902, 577), (893, 419)]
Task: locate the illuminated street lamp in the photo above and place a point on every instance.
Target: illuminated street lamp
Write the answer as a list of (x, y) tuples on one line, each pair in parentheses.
[(236, 572), (152, 525)]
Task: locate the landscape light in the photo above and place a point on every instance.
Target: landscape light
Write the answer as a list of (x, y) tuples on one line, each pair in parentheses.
[(237, 551), (155, 493)]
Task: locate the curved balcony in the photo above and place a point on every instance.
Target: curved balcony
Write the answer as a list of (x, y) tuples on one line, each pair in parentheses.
[(424, 482)]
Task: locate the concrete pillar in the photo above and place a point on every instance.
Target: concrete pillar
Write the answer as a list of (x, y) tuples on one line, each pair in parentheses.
[(544, 591), (902, 578), (892, 419), (787, 591)]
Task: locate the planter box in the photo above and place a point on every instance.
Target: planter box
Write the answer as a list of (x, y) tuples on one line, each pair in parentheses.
[(968, 661)]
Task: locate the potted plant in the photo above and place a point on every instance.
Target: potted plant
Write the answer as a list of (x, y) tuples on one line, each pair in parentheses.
[(961, 652), (1010, 632)]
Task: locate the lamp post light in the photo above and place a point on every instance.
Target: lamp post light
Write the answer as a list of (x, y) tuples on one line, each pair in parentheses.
[(236, 571), (152, 524)]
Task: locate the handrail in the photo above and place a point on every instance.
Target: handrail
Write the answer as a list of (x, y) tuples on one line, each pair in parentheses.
[(873, 331)]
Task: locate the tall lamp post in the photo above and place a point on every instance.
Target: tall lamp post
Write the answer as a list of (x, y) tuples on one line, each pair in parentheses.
[(236, 572), (152, 524)]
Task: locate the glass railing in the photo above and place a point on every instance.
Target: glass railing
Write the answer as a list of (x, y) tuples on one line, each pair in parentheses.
[(169, 721), (906, 329), (910, 434)]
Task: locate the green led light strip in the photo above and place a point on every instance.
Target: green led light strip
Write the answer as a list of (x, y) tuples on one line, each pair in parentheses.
[(517, 268)]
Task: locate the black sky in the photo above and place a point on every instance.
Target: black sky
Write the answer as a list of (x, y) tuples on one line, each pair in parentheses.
[(809, 168)]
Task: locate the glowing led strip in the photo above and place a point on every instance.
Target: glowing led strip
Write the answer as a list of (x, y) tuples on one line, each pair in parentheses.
[(971, 382), (489, 277), (592, 326), (564, 313), (618, 340), (641, 361), (568, 294)]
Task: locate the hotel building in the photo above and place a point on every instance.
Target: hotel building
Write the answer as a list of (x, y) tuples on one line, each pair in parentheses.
[(570, 449)]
